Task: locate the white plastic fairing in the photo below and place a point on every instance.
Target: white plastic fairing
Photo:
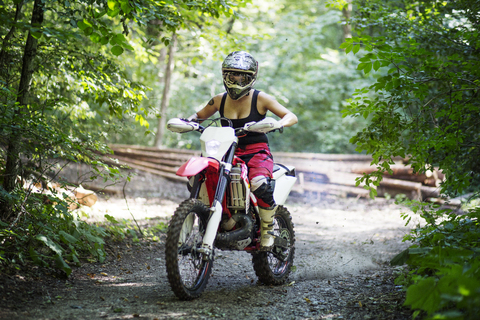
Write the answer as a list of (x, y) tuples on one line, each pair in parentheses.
[(216, 141), (283, 185)]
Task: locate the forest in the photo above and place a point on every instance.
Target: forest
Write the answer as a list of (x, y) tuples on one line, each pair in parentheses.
[(396, 78)]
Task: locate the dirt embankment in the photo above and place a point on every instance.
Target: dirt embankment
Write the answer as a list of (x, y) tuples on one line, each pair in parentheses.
[(341, 268)]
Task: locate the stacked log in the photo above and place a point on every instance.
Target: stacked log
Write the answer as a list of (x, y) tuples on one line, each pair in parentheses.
[(162, 162), (319, 173), (338, 173), (404, 172)]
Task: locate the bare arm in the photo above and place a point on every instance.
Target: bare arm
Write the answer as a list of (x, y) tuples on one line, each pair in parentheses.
[(267, 102), (212, 106)]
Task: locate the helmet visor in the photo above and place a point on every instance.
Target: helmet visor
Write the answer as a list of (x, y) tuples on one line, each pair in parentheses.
[(239, 80)]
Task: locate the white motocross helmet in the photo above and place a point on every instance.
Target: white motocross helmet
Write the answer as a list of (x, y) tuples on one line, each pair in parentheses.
[(239, 70)]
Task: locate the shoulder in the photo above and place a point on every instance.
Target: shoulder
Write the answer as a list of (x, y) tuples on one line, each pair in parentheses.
[(219, 96), (266, 101), (216, 100), (265, 97)]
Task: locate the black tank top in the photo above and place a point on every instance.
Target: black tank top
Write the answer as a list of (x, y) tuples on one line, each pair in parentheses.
[(251, 137)]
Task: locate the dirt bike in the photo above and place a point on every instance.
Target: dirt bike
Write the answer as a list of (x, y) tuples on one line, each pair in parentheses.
[(222, 212)]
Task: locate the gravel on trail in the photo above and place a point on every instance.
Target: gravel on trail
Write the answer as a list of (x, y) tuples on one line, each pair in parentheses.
[(341, 267)]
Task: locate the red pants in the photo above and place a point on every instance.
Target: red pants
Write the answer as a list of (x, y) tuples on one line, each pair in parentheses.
[(259, 161)]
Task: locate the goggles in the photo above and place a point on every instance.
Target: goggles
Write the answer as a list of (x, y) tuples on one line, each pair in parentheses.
[(237, 79)]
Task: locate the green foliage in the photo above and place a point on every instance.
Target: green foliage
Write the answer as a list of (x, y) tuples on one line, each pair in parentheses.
[(425, 101), (424, 105), (119, 230), (296, 44), (49, 235), (301, 66), (62, 92), (200, 40), (154, 231), (444, 281)]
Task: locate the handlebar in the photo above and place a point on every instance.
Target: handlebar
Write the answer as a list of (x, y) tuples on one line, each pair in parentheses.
[(182, 125)]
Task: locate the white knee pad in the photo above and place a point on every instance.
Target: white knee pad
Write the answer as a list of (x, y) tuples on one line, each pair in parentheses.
[(257, 181)]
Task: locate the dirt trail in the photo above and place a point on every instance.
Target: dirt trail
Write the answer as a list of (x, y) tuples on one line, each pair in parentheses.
[(341, 270)]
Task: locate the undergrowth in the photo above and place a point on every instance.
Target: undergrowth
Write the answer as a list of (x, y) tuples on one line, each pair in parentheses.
[(443, 277), (118, 230), (48, 234)]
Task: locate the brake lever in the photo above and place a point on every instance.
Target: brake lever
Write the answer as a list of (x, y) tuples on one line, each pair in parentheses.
[(197, 121), (280, 130)]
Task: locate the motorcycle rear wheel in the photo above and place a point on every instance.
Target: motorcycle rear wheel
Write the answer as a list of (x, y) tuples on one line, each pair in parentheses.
[(269, 269), (187, 272)]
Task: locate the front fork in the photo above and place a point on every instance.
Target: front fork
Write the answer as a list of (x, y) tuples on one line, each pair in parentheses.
[(216, 214), (216, 209)]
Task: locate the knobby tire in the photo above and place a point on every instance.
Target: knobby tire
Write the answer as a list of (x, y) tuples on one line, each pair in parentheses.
[(269, 269), (187, 273)]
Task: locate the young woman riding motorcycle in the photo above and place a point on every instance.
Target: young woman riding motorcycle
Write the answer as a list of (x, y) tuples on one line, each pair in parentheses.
[(243, 104)]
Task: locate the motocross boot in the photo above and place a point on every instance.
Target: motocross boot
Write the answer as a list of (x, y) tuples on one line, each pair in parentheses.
[(266, 227)]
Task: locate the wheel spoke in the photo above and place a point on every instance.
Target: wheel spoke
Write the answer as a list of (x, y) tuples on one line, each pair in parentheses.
[(278, 261), (187, 271), (274, 267), (190, 264)]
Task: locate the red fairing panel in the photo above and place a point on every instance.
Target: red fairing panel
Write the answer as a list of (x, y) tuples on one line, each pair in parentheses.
[(195, 165)]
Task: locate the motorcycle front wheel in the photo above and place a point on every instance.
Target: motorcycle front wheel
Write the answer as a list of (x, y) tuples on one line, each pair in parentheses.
[(273, 268), (187, 272)]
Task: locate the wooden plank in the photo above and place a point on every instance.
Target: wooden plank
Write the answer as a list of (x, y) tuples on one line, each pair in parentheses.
[(156, 155), (168, 163), (401, 184), (323, 156), (398, 169), (154, 149), (312, 165), (330, 189), (430, 192), (150, 170), (149, 165), (403, 172)]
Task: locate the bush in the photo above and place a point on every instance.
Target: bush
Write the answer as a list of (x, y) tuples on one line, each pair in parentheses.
[(444, 263)]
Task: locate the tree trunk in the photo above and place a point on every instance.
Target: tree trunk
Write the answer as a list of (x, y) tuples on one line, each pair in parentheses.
[(166, 92), (13, 149), (347, 13), (161, 63), (5, 56)]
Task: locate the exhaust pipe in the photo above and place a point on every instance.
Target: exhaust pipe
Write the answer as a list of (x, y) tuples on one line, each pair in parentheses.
[(239, 238)]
